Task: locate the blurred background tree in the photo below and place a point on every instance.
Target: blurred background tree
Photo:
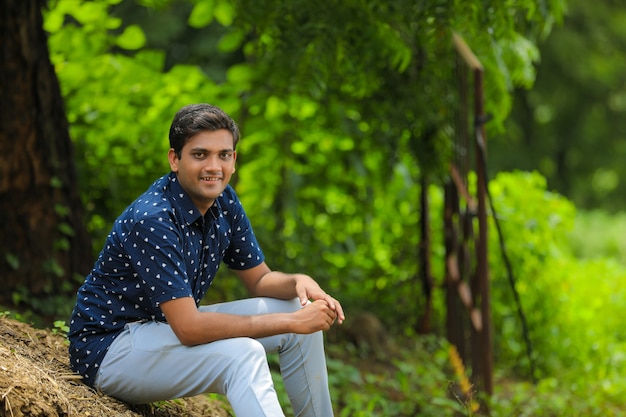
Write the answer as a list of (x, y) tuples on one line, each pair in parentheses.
[(570, 126), (43, 238)]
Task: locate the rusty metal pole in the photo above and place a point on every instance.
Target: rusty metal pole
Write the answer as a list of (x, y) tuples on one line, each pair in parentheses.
[(485, 334), (482, 266)]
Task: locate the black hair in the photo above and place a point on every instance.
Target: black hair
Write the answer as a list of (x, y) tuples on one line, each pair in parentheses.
[(195, 118)]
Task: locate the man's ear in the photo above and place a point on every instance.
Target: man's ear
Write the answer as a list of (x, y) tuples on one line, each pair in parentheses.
[(173, 159)]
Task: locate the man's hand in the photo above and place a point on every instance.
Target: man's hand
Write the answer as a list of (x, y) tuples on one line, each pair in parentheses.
[(307, 289), (314, 317), (260, 281)]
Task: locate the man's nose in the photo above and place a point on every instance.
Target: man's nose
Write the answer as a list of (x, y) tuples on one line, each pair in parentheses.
[(212, 163)]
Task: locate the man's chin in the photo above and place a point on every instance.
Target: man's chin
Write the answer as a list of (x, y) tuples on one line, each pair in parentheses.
[(214, 193)]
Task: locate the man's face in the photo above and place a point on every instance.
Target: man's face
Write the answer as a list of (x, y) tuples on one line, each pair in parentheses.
[(205, 166)]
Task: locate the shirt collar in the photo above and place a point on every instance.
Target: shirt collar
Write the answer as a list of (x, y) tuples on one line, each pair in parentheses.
[(189, 211)]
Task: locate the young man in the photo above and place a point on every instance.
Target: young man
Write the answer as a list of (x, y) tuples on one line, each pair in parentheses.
[(137, 331)]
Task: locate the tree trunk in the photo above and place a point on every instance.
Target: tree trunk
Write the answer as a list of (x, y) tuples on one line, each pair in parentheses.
[(43, 240)]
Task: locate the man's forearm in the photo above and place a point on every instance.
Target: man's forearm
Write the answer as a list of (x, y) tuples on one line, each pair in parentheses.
[(276, 284), (210, 326)]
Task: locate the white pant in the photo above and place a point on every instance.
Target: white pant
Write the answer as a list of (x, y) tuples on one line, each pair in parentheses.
[(147, 363)]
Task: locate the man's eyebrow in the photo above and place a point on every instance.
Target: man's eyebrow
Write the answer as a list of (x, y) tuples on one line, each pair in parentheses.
[(204, 150)]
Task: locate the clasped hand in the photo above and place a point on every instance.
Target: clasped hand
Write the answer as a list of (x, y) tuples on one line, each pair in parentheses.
[(322, 312), (313, 317)]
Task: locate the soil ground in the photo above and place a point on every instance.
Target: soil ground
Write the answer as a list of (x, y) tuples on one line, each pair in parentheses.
[(36, 380)]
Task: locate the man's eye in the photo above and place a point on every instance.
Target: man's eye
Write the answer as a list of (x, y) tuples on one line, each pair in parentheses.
[(198, 155), (226, 155)]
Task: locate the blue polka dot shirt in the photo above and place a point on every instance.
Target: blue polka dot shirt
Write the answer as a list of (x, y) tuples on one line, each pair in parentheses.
[(159, 249)]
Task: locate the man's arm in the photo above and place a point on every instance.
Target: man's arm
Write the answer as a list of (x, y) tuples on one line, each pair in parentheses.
[(260, 281), (194, 327)]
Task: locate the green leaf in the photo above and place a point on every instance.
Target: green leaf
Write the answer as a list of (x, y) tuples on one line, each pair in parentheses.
[(66, 229), (231, 41), (240, 74), (52, 266), (62, 210), (55, 182), (202, 14), (224, 12), (132, 38), (12, 260), (54, 19)]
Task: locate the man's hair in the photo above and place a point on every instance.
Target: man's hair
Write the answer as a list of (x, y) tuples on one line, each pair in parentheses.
[(195, 118)]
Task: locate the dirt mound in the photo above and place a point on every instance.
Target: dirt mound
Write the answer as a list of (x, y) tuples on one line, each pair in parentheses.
[(36, 380)]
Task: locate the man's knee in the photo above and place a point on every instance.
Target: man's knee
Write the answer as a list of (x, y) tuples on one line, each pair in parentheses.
[(245, 351), (247, 361)]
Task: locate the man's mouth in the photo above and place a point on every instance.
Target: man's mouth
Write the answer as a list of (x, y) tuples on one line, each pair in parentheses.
[(211, 179)]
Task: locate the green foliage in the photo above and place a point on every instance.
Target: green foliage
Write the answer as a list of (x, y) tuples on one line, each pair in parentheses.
[(357, 69), (598, 234), (131, 38), (591, 297), (44, 306), (26, 316), (569, 126), (60, 328), (572, 304), (416, 382), (119, 107), (535, 224), (554, 397), (12, 260), (49, 302)]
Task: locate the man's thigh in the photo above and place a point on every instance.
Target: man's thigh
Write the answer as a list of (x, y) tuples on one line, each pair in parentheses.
[(253, 306), (147, 363)]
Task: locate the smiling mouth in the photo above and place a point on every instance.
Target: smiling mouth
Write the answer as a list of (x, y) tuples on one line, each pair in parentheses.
[(211, 179)]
